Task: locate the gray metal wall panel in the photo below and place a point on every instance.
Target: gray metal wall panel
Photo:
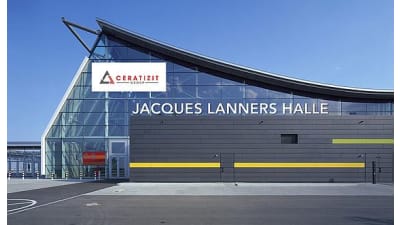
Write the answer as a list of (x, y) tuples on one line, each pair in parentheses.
[(252, 132), (229, 139)]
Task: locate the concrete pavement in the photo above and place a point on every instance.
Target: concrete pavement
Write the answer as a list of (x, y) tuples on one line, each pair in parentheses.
[(226, 189)]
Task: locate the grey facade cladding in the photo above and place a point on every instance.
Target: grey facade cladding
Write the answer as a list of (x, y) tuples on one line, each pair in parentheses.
[(230, 139)]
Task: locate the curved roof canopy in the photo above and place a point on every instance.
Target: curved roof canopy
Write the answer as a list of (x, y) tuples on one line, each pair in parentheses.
[(269, 79)]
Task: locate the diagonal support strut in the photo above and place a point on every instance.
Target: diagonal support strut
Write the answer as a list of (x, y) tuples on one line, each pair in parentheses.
[(70, 25)]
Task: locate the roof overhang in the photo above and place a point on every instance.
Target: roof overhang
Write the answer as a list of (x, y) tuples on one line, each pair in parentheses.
[(271, 80)]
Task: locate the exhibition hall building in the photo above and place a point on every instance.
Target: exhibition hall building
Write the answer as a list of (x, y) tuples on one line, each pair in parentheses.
[(141, 110)]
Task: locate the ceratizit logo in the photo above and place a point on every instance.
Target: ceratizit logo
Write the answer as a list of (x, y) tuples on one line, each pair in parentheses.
[(107, 79), (129, 77)]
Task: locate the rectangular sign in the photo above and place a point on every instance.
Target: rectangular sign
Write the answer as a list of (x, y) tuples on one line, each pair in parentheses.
[(129, 77), (94, 158)]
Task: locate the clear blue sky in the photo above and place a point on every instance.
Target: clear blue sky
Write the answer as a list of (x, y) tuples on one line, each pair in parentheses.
[(341, 42)]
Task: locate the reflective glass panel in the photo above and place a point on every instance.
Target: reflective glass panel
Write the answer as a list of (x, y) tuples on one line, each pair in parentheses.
[(94, 144), (94, 131), (255, 92), (118, 147), (354, 108), (117, 131)]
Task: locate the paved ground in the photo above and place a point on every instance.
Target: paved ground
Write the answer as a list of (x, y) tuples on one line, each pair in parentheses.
[(71, 205), (17, 184), (50, 195), (222, 189)]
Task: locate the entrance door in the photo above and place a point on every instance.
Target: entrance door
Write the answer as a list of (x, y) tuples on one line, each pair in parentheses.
[(118, 168), (118, 159)]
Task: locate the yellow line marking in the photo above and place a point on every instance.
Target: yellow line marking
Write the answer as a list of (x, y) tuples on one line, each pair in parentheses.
[(362, 141), (174, 165), (298, 165), (247, 165)]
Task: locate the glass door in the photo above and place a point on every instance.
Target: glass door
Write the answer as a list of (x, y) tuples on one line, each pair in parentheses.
[(118, 159)]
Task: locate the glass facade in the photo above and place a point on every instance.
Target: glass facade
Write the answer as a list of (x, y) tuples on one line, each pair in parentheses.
[(89, 120)]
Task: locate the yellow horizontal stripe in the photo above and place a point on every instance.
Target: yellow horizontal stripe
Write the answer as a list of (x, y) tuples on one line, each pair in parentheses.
[(363, 141), (174, 165), (246, 165), (298, 165)]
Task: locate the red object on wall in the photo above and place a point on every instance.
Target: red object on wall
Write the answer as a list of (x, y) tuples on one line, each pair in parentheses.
[(94, 158)]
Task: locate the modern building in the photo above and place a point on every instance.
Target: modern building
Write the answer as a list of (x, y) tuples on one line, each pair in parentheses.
[(213, 121), (23, 158)]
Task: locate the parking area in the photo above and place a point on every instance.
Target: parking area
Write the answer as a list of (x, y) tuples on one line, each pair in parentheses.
[(214, 203)]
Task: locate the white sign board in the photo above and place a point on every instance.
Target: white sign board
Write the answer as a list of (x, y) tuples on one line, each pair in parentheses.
[(129, 77)]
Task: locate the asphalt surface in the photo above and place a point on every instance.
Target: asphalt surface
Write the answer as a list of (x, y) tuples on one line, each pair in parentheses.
[(68, 205), (18, 185), (51, 194)]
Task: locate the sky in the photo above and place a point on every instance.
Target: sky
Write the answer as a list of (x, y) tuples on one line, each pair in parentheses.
[(341, 42)]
